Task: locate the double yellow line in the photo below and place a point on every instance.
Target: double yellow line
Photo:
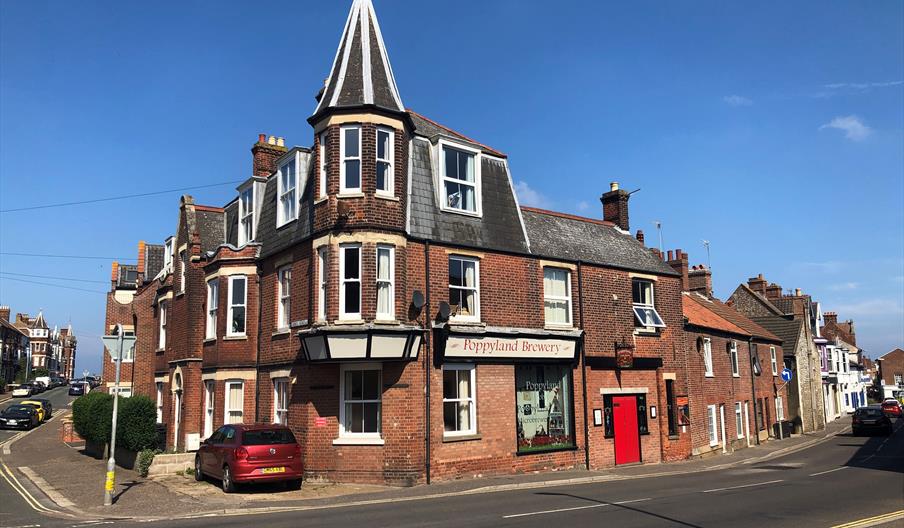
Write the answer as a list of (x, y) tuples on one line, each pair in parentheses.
[(14, 483), (872, 520)]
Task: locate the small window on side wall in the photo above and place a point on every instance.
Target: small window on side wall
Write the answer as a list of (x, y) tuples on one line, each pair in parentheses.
[(646, 318)]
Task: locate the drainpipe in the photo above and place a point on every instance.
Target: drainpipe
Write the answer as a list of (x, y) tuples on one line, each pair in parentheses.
[(750, 349), (583, 368), (427, 360), (257, 359)]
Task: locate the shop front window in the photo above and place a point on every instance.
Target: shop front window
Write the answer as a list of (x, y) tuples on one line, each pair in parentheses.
[(544, 412)]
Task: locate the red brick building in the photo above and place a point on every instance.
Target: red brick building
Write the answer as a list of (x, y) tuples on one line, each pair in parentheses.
[(383, 293)]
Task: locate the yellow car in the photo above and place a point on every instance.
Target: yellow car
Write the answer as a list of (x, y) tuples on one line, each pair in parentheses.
[(42, 413)]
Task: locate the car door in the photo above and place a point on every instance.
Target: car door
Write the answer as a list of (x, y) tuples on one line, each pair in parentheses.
[(208, 450), (223, 447)]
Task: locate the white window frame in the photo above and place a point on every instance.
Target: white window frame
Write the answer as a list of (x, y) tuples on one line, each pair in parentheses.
[(343, 434), (324, 164), (651, 305), (168, 253), (161, 331), (733, 357), (343, 190), (183, 263), (210, 388), (472, 400), (281, 394), (773, 361), (899, 380), (390, 160), (475, 317), (229, 332), (555, 298), (343, 315), (213, 302), (282, 217), (712, 425), (246, 217), (284, 298), (322, 266), (708, 358), (390, 315), (441, 164), (226, 408), (739, 419), (159, 386)]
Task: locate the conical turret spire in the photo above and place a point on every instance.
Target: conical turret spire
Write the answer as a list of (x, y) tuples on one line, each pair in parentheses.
[(361, 74)]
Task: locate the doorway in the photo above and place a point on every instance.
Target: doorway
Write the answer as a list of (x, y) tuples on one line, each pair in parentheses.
[(627, 433)]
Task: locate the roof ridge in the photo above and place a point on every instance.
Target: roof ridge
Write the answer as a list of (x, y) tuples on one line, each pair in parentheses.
[(444, 127), (210, 208), (567, 215)]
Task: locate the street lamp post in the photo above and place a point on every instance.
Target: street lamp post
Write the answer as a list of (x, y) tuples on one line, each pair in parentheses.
[(120, 341)]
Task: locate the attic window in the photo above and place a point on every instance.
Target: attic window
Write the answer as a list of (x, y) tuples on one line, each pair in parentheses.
[(646, 318), (460, 179), (286, 190)]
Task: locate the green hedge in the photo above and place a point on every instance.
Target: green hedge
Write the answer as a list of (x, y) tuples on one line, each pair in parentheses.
[(92, 416)]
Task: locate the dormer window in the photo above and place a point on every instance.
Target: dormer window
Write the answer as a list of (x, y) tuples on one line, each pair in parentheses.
[(350, 177), (246, 215), (385, 142), (287, 210), (168, 253), (460, 179)]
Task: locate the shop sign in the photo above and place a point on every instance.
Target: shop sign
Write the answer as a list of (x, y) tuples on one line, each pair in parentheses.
[(475, 347)]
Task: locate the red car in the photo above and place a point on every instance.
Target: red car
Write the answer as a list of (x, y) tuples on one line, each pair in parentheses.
[(891, 408), (245, 453)]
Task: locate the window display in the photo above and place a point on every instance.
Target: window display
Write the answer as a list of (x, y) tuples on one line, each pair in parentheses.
[(544, 414)]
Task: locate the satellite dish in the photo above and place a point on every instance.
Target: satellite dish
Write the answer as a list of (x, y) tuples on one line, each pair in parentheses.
[(444, 311), (417, 299)]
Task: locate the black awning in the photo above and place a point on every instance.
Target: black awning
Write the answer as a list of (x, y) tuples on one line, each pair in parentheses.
[(609, 362)]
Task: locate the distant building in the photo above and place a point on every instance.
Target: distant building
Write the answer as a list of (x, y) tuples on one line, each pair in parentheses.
[(891, 374), (14, 344)]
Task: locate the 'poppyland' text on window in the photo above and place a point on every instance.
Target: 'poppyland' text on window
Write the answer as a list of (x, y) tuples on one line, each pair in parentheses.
[(508, 347)]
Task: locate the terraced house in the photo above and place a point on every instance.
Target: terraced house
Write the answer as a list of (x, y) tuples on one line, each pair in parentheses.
[(383, 293)]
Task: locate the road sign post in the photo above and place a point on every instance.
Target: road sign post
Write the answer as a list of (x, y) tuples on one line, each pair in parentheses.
[(117, 343), (787, 375)]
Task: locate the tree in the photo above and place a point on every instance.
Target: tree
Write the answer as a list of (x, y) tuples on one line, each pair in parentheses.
[(38, 372)]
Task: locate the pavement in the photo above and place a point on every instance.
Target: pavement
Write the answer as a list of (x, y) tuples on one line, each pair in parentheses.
[(69, 484)]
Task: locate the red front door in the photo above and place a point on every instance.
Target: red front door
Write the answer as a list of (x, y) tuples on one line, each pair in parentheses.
[(627, 435)]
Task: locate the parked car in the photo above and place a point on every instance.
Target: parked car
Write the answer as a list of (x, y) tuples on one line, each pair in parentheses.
[(38, 409), (892, 408), (39, 386), (870, 419), (76, 389), (46, 380), (24, 390), (57, 382), (19, 416), (246, 453), (48, 407)]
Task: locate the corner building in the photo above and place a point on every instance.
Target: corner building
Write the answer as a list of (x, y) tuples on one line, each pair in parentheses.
[(384, 295)]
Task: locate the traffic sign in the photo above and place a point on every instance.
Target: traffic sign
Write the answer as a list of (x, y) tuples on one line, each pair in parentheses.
[(786, 375)]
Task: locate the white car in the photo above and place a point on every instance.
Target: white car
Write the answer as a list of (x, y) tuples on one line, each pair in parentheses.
[(22, 391)]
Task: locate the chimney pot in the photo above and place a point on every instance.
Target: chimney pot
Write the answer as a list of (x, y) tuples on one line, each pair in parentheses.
[(613, 186), (262, 138), (639, 236), (271, 140), (797, 292), (671, 255), (281, 141)]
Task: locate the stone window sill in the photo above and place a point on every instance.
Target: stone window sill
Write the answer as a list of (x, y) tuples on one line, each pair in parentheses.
[(280, 332), (350, 195), (321, 200), (386, 197), (210, 340), (358, 441), (348, 321), (447, 439), (236, 338)]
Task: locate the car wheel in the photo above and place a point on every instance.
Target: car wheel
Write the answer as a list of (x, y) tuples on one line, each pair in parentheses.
[(228, 484), (199, 475), (293, 485)]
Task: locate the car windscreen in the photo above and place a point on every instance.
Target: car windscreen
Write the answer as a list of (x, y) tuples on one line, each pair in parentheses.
[(20, 409), (869, 413), (268, 436)]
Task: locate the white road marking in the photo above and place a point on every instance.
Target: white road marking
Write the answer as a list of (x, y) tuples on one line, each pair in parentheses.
[(829, 471), (743, 486), (574, 508)]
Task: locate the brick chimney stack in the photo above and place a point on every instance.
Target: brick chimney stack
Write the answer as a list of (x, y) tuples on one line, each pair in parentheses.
[(615, 206), (700, 280), (757, 284), (4, 313), (114, 273), (830, 318), (773, 291), (264, 154), (142, 249), (678, 262)]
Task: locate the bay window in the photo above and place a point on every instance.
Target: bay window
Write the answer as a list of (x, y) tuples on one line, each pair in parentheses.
[(246, 215), (361, 406), (646, 318), (557, 296), (459, 403), (213, 300), (238, 298), (235, 402), (284, 279), (350, 281), (287, 206), (464, 287), (459, 180), (385, 282), (385, 142), (350, 169)]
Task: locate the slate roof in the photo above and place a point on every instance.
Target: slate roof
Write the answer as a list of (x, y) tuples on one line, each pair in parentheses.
[(499, 228), (210, 227), (361, 75), (273, 239), (232, 222), (11, 326), (736, 317), (698, 312), (562, 236), (788, 330), (430, 129), (153, 260)]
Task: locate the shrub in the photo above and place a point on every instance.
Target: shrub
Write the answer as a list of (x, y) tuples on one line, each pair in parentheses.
[(92, 415), (136, 427), (144, 460)]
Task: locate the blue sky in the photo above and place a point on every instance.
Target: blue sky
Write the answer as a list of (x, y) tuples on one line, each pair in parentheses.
[(775, 133)]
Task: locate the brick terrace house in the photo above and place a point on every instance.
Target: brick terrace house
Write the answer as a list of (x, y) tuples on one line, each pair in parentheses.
[(790, 317), (733, 369), (40, 340), (14, 344), (383, 294), (891, 374)]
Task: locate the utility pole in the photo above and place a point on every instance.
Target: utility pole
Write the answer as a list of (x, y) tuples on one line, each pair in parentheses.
[(119, 341)]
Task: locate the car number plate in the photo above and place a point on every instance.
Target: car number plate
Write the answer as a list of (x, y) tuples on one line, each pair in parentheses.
[(274, 470)]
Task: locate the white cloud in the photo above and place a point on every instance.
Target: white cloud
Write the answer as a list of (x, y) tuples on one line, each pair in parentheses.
[(582, 206), (530, 197), (843, 286), (737, 100), (870, 308), (854, 129)]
